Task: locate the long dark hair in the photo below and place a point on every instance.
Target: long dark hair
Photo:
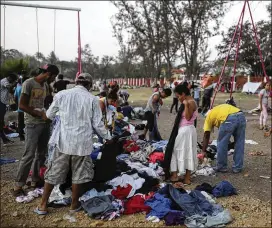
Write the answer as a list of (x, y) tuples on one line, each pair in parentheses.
[(181, 88)]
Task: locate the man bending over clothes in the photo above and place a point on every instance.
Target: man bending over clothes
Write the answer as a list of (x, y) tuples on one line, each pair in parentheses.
[(79, 114), (231, 121)]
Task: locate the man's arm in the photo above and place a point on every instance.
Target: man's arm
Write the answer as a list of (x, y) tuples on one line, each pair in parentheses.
[(206, 139), (97, 122), (24, 106), (154, 101), (53, 108), (260, 101)]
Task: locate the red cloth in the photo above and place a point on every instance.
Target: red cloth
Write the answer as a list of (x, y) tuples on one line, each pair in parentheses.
[(42, 171), (121, 192), (131, 146), (136, 204), (156, 156)]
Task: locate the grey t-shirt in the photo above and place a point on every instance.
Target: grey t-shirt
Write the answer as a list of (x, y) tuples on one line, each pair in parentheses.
[(37, 94), (150, 105)]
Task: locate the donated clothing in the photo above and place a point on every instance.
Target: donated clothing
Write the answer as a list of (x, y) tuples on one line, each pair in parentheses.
[(174, 218), (136, 204), (192, 203), (93, 193), (224, 188), (121, 192), (99, 205), (37, 94), (17, 95), (96, 154), (220, 219), (204, 187), (218, 115), (134, 180), (76, 130), (61, 85), (160, 146), (160, 206), (156, 156)]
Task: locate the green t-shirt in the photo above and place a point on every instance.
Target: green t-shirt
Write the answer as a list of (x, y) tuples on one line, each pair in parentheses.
[(37, 94)]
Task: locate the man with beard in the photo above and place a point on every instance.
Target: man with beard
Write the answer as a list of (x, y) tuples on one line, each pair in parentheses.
[(34, 92)]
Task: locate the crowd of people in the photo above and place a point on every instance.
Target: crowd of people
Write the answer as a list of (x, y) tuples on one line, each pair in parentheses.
[(82, 114)]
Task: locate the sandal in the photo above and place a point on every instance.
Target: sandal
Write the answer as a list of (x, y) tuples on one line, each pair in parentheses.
[(18, 192), (39, 212), (76, 210)]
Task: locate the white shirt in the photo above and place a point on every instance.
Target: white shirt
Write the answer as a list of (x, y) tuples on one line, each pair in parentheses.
[(79, 113)]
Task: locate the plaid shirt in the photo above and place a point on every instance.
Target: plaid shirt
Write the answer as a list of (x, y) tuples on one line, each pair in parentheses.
[(4, 91)]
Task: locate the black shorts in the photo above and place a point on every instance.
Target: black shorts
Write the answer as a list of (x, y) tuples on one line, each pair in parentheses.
[(149, 116)]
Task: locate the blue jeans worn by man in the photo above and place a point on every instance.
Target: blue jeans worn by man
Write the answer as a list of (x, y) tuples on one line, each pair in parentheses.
[(234, 125)]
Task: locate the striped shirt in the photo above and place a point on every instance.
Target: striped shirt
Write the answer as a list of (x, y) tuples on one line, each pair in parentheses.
[(80, 115)]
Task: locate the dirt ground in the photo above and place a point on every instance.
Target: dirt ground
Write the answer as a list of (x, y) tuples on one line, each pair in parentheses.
[(250, 208)]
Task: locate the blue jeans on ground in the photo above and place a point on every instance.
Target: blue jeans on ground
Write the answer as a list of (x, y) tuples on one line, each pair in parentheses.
[(234, 125)]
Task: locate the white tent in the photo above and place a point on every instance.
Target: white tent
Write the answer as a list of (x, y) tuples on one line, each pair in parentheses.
[(251, 87)]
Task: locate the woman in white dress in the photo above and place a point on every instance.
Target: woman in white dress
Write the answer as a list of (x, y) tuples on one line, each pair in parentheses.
[(184, 156)]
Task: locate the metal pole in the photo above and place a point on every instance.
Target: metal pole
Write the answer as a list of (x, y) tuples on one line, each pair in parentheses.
[(37, 25), (4, 27), (257, 42), (55, 31), (236, 55), (79, 44), (227, 57), (39, 6)]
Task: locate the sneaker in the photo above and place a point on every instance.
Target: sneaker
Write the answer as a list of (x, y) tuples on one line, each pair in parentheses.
[(266, 128), (224, 170), (236, 170), (261, 127)]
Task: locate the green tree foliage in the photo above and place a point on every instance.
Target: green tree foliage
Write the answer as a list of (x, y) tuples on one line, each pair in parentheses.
[(15, 66), (248, 51)]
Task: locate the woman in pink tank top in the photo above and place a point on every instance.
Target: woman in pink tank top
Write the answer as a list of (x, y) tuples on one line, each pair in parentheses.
[(184, 156)]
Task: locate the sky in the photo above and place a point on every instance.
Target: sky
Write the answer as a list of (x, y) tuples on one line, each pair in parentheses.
[(96, 28)]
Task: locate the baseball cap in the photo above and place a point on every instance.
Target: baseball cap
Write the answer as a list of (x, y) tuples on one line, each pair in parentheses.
[(84, 77), (53, 69)]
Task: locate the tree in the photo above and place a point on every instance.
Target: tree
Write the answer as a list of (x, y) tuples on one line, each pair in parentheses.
[(52, 58), (105, 66), (248, 51), (192, 20), (89, 61), (14, 66)]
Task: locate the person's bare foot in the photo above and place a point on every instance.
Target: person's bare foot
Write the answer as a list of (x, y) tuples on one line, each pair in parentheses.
[(42, 208), (75, 206), (178, 185), (187, 181)]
